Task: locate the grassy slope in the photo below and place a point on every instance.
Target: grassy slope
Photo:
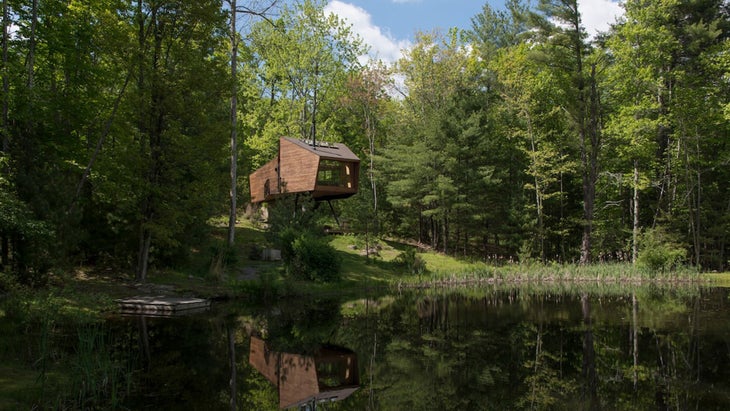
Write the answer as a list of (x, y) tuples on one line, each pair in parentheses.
[(381, 271)]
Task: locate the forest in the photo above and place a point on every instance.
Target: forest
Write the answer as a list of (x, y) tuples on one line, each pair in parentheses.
[(127, 124)]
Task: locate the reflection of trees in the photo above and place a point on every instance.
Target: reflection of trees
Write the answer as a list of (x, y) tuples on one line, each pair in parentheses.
[(546, 387), (492, 351), (433, 361), (302, 325), (590, 378), (175, 351), (512, 350)]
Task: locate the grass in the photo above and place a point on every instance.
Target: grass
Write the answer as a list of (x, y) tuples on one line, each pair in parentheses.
[(444, 270), (383, 271), (17, 386), (719, 279)]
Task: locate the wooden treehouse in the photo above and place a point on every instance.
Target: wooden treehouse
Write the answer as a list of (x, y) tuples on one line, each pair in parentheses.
[(327, 171)]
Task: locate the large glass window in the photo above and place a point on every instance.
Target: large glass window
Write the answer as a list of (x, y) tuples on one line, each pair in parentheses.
[(334, 173)]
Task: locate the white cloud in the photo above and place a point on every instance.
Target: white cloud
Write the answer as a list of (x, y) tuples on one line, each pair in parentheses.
[(12, 30), (598, 15), (382, 45)]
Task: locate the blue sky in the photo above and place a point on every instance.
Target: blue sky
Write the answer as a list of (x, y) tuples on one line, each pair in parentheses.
[(403, 18), (389, 26)]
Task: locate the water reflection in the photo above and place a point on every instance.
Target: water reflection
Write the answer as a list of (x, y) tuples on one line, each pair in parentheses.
[(486, 349), (330, 374)]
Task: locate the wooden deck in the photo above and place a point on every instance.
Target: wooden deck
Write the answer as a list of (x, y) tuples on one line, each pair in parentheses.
[(162, 305)]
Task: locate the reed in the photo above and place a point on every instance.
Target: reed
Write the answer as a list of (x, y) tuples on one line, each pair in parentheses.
[(619, 274)]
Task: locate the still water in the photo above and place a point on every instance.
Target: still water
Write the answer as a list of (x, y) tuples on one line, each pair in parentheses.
[(477, 349)]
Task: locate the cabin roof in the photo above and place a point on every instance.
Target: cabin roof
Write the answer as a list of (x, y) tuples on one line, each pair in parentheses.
[(332, 151)]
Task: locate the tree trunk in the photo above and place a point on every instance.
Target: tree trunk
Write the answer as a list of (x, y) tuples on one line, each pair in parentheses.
[(31, 45), (6, 84), (589, 156), (4, 251), (4, 240), (154, 139), (635, 239), (538, 193), (370, 132), (234, 123), (698, 207), (143, 255)]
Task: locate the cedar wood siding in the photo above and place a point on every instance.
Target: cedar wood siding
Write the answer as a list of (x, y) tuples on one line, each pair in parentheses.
[(298, 165), (258, 178)]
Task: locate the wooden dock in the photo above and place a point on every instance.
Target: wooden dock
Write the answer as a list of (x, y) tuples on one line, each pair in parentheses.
[(162, 305)]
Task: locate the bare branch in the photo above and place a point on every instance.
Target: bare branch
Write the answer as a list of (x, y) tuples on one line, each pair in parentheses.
[(258, 12)]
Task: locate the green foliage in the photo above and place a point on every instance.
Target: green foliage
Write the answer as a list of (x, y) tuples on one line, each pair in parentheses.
[(313, 259), (298, 69), (295, 228), (223, 256), (299, 213), (659, 250), (286, 239), (31, 258), (522, 130), (411, 261)]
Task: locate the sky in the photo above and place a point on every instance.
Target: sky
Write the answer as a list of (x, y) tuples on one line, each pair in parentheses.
[(389, 26)]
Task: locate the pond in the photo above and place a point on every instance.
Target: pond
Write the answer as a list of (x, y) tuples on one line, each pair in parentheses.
[(469, 349)]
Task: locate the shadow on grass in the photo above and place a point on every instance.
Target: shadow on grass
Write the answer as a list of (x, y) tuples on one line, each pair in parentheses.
[(361, 271)]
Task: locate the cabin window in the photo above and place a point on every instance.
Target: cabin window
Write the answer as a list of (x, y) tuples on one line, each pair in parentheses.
[(334, 173)]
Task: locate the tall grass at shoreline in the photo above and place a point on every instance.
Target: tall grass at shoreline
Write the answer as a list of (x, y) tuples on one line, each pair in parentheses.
[(518, 274), (444, 270)]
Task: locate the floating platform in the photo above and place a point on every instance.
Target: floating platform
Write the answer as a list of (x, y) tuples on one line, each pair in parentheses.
[(164, 306)]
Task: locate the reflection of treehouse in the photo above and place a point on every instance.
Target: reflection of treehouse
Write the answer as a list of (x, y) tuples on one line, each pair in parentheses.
[(327, 171), (329, 375)]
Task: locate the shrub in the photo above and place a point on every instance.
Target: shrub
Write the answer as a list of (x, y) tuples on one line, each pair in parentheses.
[(222, 257), (411, 261), (285, 242), (659, 251), (313, 259)]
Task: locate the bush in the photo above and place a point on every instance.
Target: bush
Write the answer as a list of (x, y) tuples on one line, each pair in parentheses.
[(285, 242), (222, 257), (659, 251), (411, 261), (313, 259)]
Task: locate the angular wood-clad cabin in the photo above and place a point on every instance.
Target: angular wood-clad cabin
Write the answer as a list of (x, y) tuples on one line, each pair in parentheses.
[(327, 171)]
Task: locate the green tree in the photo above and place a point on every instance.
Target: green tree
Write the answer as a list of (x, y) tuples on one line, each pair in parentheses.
[(72, 56), (669, 105), (369, 108), (531, 99), (179, 115), (299, 67), (565, 50), (233, 11), (436, 164)]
